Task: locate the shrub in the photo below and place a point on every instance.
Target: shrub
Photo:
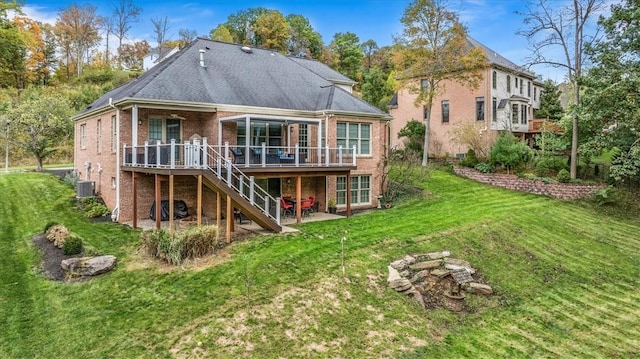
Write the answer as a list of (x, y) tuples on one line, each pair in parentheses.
[(563, 176), (57, 234), (604, 196), (71, 179), (72, 245), (93, 207), (546, 166), (509, 152), (49, 225), (190, 243), (470, 160), (484, 167)]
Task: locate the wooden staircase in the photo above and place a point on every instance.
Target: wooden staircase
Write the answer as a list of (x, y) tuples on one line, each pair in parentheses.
[(254, 202)]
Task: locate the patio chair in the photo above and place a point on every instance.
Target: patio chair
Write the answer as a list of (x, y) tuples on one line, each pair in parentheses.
[(305, 206), (313, 204), (238, 156), (286, 208)]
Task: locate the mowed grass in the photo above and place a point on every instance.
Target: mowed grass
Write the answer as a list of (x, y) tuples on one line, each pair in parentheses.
[(566, 281)]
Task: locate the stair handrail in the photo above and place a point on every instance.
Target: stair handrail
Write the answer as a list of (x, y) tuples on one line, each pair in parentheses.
[(237, 180)]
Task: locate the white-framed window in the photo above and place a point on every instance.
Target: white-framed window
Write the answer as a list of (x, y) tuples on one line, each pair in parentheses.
[(528, 88), (360, 190), (303, 137), (494, 80), (165, 130), (514, 113), (509, 83), (445, 111), (535, 93), (99, 136), (521, 85), (269, 133), (83, 136), (349, 134), (114, 135), (479, 108), (494, 109), (523, 114)]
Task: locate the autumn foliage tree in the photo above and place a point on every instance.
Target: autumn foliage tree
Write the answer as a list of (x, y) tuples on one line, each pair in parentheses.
[(432, 50), (272, 31)]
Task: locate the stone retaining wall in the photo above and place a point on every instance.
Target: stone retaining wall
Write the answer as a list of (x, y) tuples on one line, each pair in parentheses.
[(565, 191)]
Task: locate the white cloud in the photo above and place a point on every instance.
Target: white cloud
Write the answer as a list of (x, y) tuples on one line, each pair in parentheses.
[(39, 13)]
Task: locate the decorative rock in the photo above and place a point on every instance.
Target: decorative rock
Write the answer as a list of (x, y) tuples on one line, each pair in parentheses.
[(455, 267), (405, 273), (400, 264), (401, 285), (419, 276), (478, 288), (393, 274), (426, 265), (89, 266), (440, 273), (458, 262), (432, 255), (409, 259)]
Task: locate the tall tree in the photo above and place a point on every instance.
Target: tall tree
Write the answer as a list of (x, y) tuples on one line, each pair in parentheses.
[(610, 99), (375, 88), (160, 30), (550, 25), (12, 48), (347, 54), (369, 48), (132, 55), (271, 31), (185, 36), (221, 33), (80, 27), (304, 39), (40, 124), (432, 50), (550, 107), (240, 25), (125, 13), (107, 27)]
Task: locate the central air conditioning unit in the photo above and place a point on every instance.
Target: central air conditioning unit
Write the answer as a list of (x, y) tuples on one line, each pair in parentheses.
[(85, 189)]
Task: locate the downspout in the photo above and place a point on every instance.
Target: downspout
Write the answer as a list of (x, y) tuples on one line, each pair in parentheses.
[(115, 214)]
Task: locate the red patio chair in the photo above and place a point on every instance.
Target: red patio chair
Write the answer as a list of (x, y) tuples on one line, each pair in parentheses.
[(305, 206), (286, 207)]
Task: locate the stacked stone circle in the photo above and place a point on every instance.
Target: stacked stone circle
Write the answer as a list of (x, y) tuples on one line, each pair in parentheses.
[(407, 275)]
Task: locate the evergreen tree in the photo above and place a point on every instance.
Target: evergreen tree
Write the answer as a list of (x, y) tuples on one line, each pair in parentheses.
[(550, 107)]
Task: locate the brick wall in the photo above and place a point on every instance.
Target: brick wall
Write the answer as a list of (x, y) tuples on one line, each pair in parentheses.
[(565, 191)]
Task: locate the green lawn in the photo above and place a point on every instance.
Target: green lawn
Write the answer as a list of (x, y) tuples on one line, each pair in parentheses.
[(566, 277)]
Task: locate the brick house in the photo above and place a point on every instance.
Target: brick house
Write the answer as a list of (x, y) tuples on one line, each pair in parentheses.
[(224, 126), (506, 99)]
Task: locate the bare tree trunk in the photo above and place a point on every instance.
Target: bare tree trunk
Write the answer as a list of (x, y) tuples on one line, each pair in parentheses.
[(427, 135)]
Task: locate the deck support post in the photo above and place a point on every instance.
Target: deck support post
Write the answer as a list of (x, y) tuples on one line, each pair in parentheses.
[(229, 218), (158, 204), (171, 224), (199, 201), (134, 187), (218, 212)]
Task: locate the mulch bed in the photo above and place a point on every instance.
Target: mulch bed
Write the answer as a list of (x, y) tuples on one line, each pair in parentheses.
[(51, 258)]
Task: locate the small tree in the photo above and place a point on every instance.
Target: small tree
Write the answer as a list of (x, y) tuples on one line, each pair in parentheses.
[(550, 107), (41, 124), (470, 134), (433, 49), (509, 152), (414, 132)]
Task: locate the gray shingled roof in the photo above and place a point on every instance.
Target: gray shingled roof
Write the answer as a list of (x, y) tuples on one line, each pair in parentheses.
[(495, 58), (323, 70), (231, 76)]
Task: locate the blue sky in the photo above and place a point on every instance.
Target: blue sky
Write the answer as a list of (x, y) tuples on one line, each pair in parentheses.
[(492, 22)]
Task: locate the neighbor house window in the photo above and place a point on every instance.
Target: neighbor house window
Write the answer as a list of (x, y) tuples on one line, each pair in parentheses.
[(99, 136), (423, 85), (535, 93), (494, 109), (523, 114), (83, 136), (350, 134), (508, 83), (479, 108), (515, 80), (521, 85), (445, 111), (114, 134), (360, 190), (514, 113), (494, 80), (529, 89)]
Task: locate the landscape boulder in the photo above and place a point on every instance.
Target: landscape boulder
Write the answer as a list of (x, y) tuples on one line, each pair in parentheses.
[(89, 266)]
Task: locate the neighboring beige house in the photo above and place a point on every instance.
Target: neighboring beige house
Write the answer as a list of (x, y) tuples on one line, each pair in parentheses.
[(224, 126), (506, 99), (156, 55)]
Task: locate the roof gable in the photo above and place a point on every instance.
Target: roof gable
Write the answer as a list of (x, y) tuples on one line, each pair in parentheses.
[(231, 76)]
